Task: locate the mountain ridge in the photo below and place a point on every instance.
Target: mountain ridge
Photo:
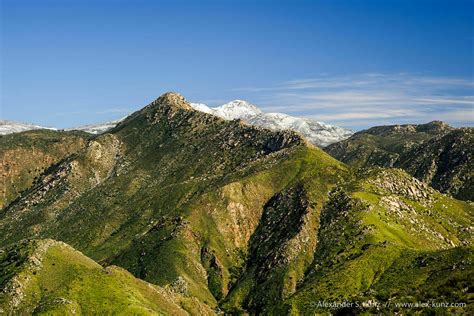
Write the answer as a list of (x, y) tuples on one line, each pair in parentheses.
[(318, 133)]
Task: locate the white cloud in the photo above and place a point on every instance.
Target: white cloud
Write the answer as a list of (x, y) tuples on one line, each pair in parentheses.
[(441, 100), (365, 115), (362, 100)]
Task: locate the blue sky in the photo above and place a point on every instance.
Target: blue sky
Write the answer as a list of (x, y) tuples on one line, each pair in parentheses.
[(352, 63)]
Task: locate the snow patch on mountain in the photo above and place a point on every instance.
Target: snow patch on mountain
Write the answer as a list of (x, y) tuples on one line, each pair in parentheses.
[(236, 109), (202, 108), (98, 128), (316, 132), (10, 127)]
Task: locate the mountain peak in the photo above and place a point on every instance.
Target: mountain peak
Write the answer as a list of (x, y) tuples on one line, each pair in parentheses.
[(238, 102), (434, 126), (172, 99), (237, 109)]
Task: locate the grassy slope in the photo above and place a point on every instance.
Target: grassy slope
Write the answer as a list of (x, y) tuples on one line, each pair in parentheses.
[(55, 279), (25, 156), (376, 237)]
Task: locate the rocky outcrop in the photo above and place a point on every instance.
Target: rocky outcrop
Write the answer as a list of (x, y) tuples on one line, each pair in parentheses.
[(395, 182), (215, 273)]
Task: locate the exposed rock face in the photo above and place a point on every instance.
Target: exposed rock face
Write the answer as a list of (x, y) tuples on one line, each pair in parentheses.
[(282, 220), (432, 128), (241, 217), (166, 106), (215, 273), (435, 153), (68, 179), (172, 99), (393, 183)]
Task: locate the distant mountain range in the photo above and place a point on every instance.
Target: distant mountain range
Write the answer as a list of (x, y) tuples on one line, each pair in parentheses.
[(97, 128), (316, 132), (10, 127)]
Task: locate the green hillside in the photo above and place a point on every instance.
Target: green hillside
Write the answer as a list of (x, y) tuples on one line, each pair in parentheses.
[(46, 277)]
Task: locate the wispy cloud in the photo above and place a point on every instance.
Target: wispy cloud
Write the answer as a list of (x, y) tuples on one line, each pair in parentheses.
[(372, 98), (365, 115)]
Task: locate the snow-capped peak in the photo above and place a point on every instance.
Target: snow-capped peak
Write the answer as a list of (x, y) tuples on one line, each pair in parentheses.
[(318, 133), (237, 109)]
